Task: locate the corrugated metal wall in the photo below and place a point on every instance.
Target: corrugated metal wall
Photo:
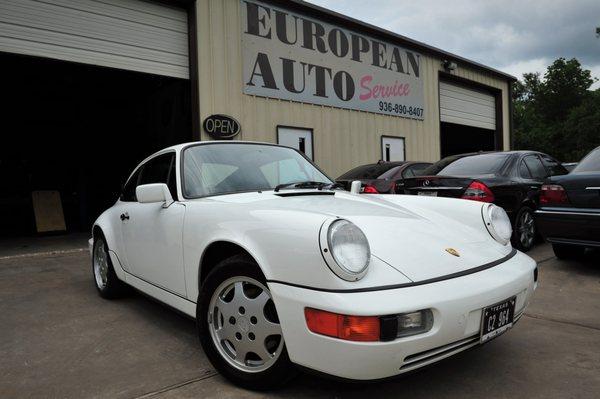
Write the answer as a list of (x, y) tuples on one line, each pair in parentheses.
[(342, 138), (467, 107), (125, 34)]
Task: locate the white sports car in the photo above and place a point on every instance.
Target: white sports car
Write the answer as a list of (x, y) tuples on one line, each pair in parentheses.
[(280, 268)]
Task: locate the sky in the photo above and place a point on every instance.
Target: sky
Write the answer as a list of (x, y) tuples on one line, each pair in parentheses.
[(513, 36)]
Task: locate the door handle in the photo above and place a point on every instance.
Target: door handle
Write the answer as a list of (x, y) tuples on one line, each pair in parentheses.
[(534, 187), (124, 216)]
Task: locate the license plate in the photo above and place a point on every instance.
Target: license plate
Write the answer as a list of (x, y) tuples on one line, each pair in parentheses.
[(497, 318), (428, 193)]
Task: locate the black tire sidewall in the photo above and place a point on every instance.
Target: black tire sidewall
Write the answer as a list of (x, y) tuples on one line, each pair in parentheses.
[(276, 375)]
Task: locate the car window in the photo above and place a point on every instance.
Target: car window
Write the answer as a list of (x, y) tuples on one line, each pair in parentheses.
[(284, 171), (214, 169), (414, 170), (390, 173), (128, 193), (553, 166), (535, 167), (524, 170), (159, 170), (470, 165), (591, 162), (367, 172), (156, 170)]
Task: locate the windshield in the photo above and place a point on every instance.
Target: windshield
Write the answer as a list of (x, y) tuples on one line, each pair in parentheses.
[(371, 171), (473, 165), (591, 162), (214, 169)]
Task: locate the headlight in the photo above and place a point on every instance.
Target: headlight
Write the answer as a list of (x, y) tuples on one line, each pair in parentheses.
[(346, 250), (497, 223)]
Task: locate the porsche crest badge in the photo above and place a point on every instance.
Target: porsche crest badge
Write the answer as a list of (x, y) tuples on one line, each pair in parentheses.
[(452, 251)]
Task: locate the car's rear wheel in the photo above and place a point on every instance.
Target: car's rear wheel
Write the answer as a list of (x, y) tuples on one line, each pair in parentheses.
[(107, 283), (525, 232), (239, 327), (565, 251)]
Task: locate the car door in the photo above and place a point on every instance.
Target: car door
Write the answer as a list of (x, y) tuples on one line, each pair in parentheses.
[(152, 234), (537, 173)]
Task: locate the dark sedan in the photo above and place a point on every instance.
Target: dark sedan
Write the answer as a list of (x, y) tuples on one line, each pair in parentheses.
[(381, 177), (569, 212), (511, 179)]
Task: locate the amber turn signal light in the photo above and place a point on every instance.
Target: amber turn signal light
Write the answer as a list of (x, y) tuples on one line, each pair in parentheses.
[(349, 328)]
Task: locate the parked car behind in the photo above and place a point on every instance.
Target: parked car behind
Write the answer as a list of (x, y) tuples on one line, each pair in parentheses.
[(381, 177), (569, 213), (511, 179)]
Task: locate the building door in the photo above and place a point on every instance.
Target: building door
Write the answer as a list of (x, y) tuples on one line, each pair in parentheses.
[(392, 149), (468, 120), (135, 35), (298, 138)]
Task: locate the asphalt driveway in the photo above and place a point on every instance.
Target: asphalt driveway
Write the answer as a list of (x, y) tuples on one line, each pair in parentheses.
[(58, 338)]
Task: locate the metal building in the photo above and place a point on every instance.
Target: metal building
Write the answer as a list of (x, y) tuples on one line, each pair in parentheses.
[(92, 86)]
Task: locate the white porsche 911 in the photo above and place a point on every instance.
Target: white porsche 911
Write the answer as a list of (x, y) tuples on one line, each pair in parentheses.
[(280, 268)]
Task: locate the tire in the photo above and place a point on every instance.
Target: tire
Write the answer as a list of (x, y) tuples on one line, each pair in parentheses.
[(566, 251), (524, 231), (230, 323), (105, 279)]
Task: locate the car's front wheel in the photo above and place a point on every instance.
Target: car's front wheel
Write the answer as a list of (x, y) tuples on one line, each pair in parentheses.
[(565, 251), (239, 327), (525, 232)]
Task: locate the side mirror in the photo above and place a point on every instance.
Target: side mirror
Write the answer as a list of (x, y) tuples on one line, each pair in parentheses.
[(153, 193), (355, 187)]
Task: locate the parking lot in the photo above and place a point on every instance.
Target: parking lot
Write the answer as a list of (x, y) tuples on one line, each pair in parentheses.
[(60, 339)]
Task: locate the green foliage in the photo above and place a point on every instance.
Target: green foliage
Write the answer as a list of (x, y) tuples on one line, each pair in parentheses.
[(557, 114)]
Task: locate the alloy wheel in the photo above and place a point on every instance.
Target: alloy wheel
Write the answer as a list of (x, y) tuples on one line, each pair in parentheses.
[(100, 264), (526, 229), (243, 324)]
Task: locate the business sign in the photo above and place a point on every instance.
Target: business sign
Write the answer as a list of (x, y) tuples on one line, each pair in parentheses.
[(221, 127), (292, 57)]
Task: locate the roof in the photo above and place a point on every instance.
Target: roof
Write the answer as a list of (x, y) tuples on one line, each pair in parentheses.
[(341, 19)]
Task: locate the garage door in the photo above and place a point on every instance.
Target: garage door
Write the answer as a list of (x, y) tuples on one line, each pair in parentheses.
[(126, 34), (464, 106)]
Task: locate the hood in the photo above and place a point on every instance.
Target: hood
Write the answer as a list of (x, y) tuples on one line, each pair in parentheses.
[(411, 239)]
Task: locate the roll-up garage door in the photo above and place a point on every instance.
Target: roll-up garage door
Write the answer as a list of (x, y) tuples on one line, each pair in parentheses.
[(464, 106), (126, 34)]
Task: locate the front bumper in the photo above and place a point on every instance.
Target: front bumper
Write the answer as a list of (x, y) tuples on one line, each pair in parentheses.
[(456, 305), (569, 225)]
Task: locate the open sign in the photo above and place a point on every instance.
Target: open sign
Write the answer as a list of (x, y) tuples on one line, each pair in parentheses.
[(221, 127)]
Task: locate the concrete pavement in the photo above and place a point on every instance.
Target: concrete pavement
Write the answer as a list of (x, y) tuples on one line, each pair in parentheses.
[(60, 339)]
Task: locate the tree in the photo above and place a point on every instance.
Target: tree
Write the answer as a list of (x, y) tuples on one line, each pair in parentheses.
[(558, 113)]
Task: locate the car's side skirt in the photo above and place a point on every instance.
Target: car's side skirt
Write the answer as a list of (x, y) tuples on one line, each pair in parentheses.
[(173, 300)]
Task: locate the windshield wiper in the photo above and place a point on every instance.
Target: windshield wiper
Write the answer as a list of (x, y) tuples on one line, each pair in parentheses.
[(303, 184)]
